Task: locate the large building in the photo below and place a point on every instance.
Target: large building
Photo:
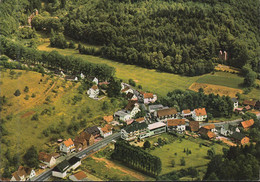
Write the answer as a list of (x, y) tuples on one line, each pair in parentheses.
[(133, 131), (165, 114)]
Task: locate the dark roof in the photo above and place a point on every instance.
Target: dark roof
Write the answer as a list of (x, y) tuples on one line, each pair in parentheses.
[(63, 166), (237, 136), (194, 125), (129, 95), (73, 160), (249, 102), (92, 130), (135, 126), (131, 105), (234, 99)]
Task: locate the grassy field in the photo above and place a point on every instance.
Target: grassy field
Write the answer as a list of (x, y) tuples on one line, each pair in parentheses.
[(197, 158), (223, 79), (23, 131)]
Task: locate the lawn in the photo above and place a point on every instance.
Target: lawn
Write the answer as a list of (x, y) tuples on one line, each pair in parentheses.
[(150, 79), (197, 158), (223, 79)]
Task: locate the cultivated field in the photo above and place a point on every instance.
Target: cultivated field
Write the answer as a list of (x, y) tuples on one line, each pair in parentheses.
[(216, 89)]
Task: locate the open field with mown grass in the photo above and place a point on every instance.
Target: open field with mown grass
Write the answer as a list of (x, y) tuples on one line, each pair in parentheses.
[(24, 132), (198, 157), (154, 81)]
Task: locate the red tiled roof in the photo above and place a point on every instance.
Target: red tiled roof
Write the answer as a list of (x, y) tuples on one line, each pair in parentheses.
[(44, 157), (80, 175), (187, 111), (249, 102), (107, 128), (200, 112), (125, 89), (175, 122), (209, 127), (108, 119), (68, 142), (248, 123), (166, 112), (148, 95), (211, 135), (139, 119), (94, 87)]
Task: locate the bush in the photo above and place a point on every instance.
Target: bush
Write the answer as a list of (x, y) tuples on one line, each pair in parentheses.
[(173, 163), (183, 162), (17, 93), (132, 82), (33, 95), (26, 89), (27, 97), (35, 117)]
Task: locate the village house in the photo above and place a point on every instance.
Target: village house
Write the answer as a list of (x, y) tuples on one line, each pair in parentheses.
[(93, 131), (186, 113), (140, 120), (60, 171), (23, 174), (199, 114), (154, 108), (154, 129), (108, 119), (106, 131), (227, 129), (131, 96), (177, 125), (93, 92), (247, 124), (210, 127), (165, 114), (80, 142), (47, 159), (239, 138), (132, 108), (194, 126), (67, 146), (148, 98), (131, 132), (122, 115), (235, 102), (250, 103), (127, 90), (79, 176), (206, 133), (95, 81)]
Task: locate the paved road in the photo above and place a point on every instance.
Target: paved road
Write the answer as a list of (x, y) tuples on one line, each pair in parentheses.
[(95, 147)]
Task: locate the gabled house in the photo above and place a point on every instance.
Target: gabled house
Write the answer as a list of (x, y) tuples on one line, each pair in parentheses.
[(47, 159), (131, 96), (239, 138), (247, 124), (132, 108), (122, 115), (165, 114), (194, 126), (106, 131), (140, 120), (23, 174), (206, 133), (199, 114), (79, 176), (80, 142), (210, 127), (235, 103), (93, 131), (251, 103), (227, 129), (127, 90), (148, 98), (90, 139), (108, 119), (67, 146), (93, 91), (95, 80), (177, 125), (62, 168), (133, 131), (186, 113)]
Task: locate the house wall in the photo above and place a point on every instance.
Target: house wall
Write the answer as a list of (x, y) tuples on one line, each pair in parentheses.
[(73, 167), (63, 148), (73, 178), (59, 174), (32, 174)]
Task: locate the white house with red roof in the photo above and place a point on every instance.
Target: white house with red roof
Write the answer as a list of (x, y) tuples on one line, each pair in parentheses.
[(106, 131), (148, 98), (93, 91), (67, 146), (199, 114)]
